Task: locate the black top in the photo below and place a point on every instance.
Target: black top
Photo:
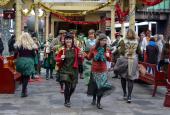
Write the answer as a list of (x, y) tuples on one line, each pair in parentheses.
[(21, 52), (11, 44), (152, 54), (1, 46)]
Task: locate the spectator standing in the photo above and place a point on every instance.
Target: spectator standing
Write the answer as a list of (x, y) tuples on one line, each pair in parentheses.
[(1, 45), (11, 45)]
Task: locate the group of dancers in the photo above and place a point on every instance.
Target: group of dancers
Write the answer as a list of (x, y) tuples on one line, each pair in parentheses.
[(76, 58)]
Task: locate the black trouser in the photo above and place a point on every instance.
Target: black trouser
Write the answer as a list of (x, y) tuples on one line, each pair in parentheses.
[(130, 86), (58, 78), (24, 81), (80, 69), (68, 91), (97, 92), (47, 72)]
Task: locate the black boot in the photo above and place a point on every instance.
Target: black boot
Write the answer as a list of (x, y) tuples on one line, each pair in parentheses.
[(67, 102), (130, 88), (129, 99), (47, 73), (98, 102), (25, 80), (123, 83), (67, 95)]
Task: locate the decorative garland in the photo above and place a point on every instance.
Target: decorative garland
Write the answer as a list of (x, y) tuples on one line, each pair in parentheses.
[(4, 2), (79, 22), (121, 14), (82, 13), (43, 16), (29, 11), (149, 3)]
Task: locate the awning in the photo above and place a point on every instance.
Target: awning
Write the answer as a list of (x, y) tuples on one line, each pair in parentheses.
[(164, 5)]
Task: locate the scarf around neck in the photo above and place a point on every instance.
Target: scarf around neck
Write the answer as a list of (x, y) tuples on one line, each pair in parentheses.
[(100, 55)]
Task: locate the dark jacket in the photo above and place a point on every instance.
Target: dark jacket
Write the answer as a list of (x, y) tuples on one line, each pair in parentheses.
[(152, 52), (21, 52), (11, 44), (1, 46)]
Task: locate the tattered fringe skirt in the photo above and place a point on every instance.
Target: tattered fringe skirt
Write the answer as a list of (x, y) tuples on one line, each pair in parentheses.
[(99, 81), (25, 66)]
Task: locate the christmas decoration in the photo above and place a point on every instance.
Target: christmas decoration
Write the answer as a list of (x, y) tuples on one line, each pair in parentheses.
[(4, 2), (79, 22), (151, 3)]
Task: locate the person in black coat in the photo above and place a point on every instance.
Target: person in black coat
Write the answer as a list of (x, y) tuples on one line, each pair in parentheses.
[(152, 52), (1, 46), (11, 45)]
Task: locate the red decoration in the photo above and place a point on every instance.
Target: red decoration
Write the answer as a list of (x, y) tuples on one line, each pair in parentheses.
[(149, 3), (167, 96), (79, 22), (121, 14)]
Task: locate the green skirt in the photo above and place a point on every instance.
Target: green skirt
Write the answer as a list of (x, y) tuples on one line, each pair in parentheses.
[(87, 70), (101, 80), (25, 66), (71, 77), (98, 81)]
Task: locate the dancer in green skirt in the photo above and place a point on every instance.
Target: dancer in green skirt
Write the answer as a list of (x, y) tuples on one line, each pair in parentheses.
[(91, 41), (25, 53), (98, 83)]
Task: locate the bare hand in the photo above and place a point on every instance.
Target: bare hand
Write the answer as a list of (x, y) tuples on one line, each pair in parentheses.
[(80, 54), (62, 57), (107, 54), (84, 54)]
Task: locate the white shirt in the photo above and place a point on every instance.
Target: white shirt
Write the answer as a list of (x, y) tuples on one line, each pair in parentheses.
[(144, 43), (108, 40)]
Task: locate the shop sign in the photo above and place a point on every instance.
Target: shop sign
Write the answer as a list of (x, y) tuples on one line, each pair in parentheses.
[(9, 14)]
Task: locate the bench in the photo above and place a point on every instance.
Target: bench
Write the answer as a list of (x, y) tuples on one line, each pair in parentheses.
[(9, 78), (157, 78), (167, 96)]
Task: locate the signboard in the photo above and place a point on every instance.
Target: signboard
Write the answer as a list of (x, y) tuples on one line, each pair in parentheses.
[(9, 14)]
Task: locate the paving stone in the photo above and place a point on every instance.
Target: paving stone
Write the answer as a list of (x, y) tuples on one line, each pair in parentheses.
[(45, 99)]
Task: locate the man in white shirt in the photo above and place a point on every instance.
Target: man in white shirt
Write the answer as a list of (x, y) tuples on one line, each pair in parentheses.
[(143, 42), (142, 45)]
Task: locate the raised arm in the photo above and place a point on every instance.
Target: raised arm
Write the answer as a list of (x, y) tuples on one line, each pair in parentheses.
[(90, 55)]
